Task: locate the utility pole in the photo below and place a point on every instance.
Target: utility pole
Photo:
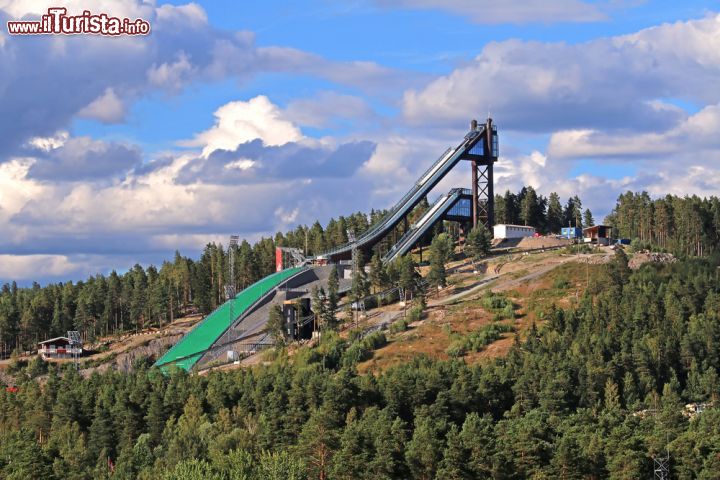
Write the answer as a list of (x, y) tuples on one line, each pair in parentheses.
[(230, 285), (587, 274)]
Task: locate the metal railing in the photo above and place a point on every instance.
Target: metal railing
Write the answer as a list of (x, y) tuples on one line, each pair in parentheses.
[(250, 309), (417, 187), (411, 236)]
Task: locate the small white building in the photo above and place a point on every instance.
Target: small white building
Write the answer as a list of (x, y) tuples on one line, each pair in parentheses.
[(512, 231), (60, 347)]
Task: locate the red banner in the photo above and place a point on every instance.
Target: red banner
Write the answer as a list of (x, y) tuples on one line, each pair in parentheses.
[(278, 259)]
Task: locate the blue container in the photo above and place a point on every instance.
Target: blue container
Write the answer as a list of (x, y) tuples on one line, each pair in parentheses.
[(571, 232)]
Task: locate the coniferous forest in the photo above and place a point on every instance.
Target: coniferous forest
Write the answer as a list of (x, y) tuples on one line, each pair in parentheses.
[(595, 391)]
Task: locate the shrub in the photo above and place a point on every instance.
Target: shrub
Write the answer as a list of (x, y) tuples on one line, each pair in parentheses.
[(354, 335), (375, 340), (16, 366), (455, 349), (477, 341), (415, 313), (509, 312), (580, 248), (495, 302), (37, 367), (637, 245), (355, 354), (399, 326)]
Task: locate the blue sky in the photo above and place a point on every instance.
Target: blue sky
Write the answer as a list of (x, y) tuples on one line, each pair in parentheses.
[(252, 117)]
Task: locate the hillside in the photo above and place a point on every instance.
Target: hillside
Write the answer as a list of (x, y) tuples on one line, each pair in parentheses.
[(590, 383), (532, 284)]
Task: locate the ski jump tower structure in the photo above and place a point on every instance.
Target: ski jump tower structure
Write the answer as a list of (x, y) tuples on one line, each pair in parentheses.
[(483, 192), (238, 325), (475, 206)]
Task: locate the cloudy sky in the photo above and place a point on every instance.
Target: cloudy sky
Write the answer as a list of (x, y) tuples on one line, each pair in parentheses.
[(252, 117)]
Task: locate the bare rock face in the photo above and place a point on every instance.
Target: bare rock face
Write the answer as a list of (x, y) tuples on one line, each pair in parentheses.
[(123, 362), (643, 257)]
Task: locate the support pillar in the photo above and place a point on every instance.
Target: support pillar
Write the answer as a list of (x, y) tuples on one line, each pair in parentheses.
[(474, 185), (483, 192), (474, 167), (490, 159)]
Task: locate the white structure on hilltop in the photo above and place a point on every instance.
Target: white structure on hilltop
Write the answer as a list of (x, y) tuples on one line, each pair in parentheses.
[(512, 231)]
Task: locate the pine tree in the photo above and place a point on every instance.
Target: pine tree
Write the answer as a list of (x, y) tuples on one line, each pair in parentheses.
[(187, 439), (425, 449), (455, 458), (554, 220), (529, 207), (319, 307), (330, 320), (441, 250), (408, 277), (510, 203), (317, 443), (572, 215), (477, 243), (102, 432), (378, 274), (360, 285), (276, 324)]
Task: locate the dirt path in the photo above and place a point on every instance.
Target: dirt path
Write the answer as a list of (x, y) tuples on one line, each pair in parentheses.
[(504, 281)]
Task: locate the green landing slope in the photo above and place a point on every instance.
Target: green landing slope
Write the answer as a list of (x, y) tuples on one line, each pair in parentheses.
[(190, 348)]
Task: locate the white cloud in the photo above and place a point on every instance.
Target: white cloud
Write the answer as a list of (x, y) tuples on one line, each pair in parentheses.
[(107, 108), (191, 13), (242, 164), (186, 241), (239, 122), (171, 75), (82, 158), (15, 188), (28, 267), (363, 75), (49, 143), (510, 11), (287, 217), (149, 211), (119, 8), (609, 83), (99, 76), (327, 107), (607, 94), (697, 132)]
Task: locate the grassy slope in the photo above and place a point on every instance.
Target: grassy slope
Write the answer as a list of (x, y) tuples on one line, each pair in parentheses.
[(559, 279)]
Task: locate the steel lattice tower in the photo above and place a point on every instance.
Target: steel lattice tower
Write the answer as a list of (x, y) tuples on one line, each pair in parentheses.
[(482, 157)]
